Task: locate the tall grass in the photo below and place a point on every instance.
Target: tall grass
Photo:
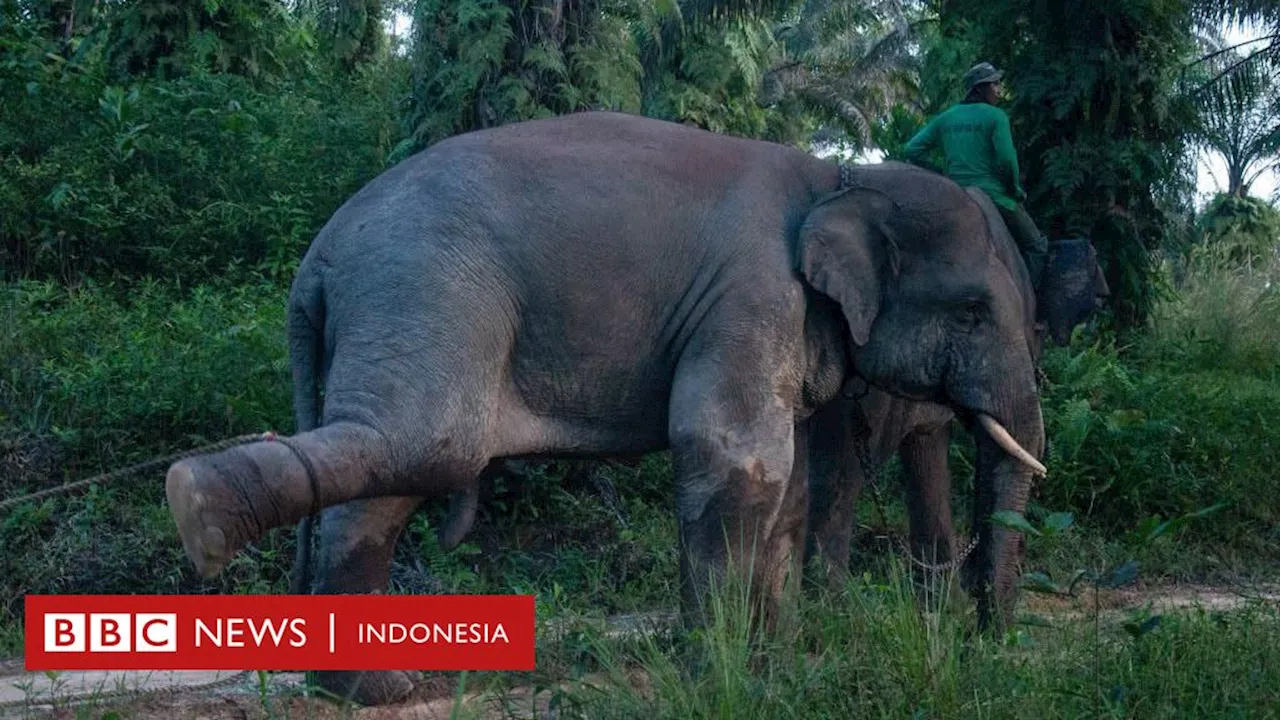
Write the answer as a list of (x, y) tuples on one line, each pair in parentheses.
[(1222, 316), (873, 651)]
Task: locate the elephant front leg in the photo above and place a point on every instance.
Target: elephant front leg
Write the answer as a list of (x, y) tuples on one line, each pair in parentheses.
[(357, 541), (993, 570), (741, 515)]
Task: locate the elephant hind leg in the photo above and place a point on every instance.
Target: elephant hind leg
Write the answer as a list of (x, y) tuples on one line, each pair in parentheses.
[(928, 495), (357, 541), (223, 501), (928, 478)]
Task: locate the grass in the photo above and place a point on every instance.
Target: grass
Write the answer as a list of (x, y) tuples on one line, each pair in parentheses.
[(1180, 419), (869, 652), (1223, 317)]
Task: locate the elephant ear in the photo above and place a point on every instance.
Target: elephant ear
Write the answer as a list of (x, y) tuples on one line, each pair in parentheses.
[(847, 253)]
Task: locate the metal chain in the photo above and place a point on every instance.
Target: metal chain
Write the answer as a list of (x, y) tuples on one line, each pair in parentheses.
[(948, 566), (134, 469), (134, 694)]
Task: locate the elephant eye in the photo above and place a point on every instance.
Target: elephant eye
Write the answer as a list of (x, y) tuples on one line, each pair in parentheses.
[(969, 314)]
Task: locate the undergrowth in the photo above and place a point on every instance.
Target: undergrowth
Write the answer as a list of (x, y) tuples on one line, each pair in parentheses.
[(100, 376), (869, 651)]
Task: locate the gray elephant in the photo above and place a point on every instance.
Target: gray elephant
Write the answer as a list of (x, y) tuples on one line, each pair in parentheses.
[(919, 433), (605, 284), (871, 425)]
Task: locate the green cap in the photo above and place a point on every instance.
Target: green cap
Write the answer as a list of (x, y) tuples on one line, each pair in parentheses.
[(983, 72)]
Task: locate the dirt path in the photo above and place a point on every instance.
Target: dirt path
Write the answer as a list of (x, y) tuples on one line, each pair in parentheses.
[(34, 695), (1162, 599)]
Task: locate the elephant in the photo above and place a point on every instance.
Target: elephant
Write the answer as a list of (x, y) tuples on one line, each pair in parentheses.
[(604, 284), (920, 434)]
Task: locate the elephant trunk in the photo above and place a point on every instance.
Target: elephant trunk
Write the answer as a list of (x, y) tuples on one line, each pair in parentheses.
[(1003, 482)]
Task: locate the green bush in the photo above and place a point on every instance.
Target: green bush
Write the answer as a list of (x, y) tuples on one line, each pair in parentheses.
[(1182, 418), (207, 173), (101, 377), (133, 373), (1245, 229), (1130, 440)]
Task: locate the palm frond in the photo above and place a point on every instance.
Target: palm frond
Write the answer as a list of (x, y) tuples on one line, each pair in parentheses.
[(1237, 11)]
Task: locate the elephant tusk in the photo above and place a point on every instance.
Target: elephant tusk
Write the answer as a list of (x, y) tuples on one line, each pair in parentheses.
[(1009, 445)]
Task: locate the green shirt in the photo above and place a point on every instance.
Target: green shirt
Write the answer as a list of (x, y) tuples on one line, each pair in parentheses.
[(978, 146)]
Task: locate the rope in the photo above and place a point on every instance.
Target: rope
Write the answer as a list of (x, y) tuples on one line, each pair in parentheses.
[(134, 469), (311, 473), (116, 475), (135, 694)]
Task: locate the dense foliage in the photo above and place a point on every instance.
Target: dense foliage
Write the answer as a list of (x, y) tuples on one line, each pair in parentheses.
[(163, 166), (176, 178), (1099, 121)]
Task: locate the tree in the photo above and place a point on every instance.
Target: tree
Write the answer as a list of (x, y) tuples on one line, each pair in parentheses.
[(1101, 125), (1237, 119), (480, 63), (849, 61), (350, 31), (168, 38), (1210, 13)]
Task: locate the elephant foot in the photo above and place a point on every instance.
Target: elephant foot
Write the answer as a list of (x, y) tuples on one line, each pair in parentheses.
[(197, 510), (369, 687), (225, 501)]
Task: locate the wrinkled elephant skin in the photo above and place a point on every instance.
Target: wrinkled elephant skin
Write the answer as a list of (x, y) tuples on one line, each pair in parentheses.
[(920, 434), (605, 284)]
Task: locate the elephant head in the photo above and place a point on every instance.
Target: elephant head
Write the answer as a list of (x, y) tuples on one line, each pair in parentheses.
[(935, 312), (1074, 286)]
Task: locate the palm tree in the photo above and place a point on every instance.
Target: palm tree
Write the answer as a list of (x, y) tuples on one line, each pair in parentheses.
[(1220, 60), (1237, 90), (848, 60), (1238, 121)]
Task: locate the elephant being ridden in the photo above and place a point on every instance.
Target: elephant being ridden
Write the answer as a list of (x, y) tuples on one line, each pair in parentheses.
[(920, 434), (606, 284)]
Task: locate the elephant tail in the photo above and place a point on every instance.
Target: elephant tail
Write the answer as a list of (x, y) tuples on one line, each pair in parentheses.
[(306, 345)]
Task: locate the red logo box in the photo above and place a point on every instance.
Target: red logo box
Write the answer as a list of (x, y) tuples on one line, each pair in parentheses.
[(280, 632)]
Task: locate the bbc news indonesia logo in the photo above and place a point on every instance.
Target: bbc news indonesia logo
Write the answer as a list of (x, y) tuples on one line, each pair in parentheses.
[(280, 632)]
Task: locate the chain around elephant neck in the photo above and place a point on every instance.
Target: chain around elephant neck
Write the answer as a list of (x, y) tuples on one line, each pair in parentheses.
[(874, 472), (846, 176)]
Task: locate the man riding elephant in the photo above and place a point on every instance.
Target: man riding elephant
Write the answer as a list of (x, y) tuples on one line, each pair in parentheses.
[(975, 139)]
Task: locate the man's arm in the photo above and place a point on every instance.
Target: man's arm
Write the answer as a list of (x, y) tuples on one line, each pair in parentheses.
[(923, 141), (1007, 157)]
